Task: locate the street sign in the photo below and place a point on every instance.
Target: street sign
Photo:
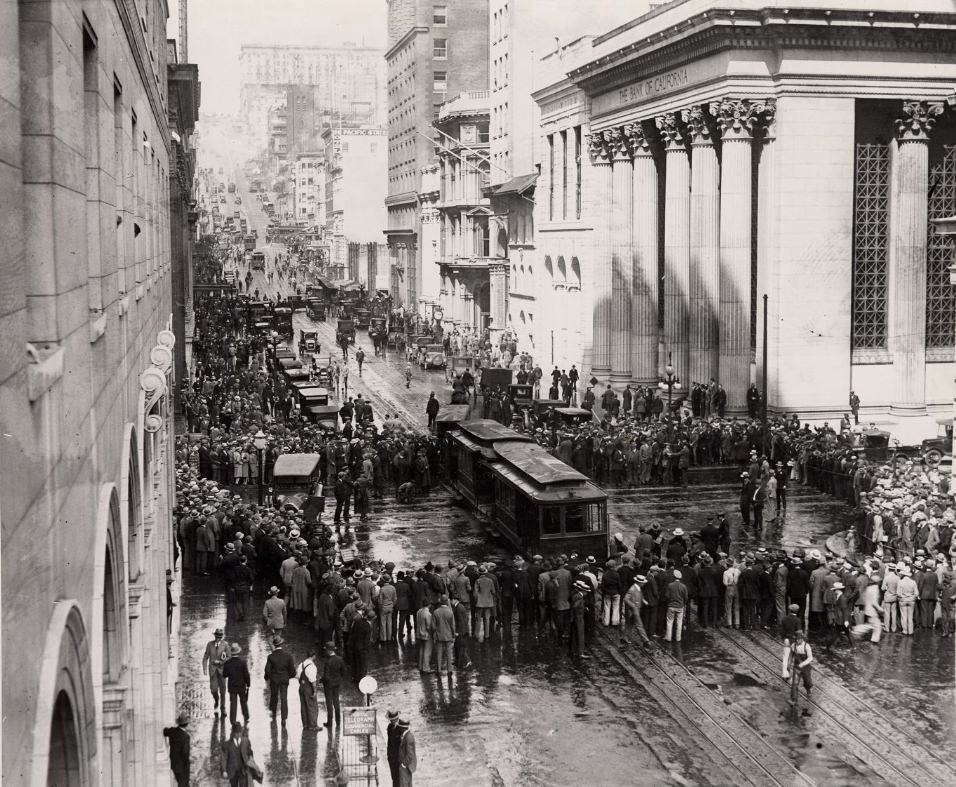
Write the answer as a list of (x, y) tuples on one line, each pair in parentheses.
[(359, 721)]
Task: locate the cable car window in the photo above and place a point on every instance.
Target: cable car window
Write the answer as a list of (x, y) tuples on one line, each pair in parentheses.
[(596, 518), (576, 518), (551, 521)]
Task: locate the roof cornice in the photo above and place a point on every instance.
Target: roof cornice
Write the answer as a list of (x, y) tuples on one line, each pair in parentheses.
[(721, 29)]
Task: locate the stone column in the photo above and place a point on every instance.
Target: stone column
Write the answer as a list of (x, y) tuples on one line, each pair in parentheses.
[(498, 292), (644, 256), (704, 247), (621, 254), (736, 120), (468, 309), (907, 274), (676, 242), (601, 306)]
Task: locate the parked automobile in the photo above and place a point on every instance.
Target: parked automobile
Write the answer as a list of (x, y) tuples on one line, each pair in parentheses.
[(432, 356)]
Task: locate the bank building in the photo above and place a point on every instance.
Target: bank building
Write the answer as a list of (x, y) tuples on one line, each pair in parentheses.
[(728, 150)]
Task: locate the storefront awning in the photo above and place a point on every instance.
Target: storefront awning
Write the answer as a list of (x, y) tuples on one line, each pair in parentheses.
[(518, 185)]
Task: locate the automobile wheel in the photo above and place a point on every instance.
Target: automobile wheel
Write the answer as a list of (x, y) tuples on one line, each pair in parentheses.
[(933, 457)]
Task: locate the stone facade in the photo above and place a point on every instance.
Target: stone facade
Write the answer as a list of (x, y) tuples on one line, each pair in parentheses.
[(714, 182), (85, 308)]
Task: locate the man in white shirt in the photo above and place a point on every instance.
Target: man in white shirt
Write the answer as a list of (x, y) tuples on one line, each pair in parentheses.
[(308, 674), (732, 595)]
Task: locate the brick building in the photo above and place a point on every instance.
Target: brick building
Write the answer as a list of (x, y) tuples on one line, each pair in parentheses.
[(436, 50)]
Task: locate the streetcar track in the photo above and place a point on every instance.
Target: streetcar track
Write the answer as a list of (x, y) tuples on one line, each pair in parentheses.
[(897, 766), (720, 725), (886, 728)]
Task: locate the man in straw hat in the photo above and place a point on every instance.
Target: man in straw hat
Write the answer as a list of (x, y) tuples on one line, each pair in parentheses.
[(236, 673), (217, 651)]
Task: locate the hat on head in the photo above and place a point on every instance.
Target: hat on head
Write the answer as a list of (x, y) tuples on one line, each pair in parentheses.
[(230, 547), (640, 579), (273, 591), (404, 723), (277, 641), (794, 608), (745, 474), (678, 531), (677, 575), (234, 649), (218, 632), (392, 715), (182, 719), (330, 647)]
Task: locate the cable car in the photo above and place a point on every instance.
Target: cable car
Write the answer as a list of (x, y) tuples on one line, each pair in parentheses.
[(539, 504)]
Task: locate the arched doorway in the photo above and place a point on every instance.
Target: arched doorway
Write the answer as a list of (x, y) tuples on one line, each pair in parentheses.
[(65, 769), (63, 745)]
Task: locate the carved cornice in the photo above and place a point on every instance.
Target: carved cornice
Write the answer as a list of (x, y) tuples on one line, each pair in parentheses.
[(672, 135), (718, 30), (918, 120), (737, 118), (698, 125)]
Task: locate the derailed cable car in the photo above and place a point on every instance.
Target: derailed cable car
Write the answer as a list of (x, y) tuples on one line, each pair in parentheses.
[(538, 503)]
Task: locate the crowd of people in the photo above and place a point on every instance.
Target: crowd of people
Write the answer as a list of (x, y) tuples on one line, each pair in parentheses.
[(656, 587)]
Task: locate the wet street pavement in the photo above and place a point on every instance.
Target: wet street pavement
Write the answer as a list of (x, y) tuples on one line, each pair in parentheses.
[(709, 710)]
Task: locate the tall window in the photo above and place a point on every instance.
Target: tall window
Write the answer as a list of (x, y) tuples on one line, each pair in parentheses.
[(870, 246), (577, 172), (551, 177), (440, 15), (939, 292), (440, 82), (564, 175), (440, 49)]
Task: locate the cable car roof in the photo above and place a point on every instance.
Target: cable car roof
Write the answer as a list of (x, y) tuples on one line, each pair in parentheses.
[(536, 463), (488, 430), (584, 493), (295, 464)]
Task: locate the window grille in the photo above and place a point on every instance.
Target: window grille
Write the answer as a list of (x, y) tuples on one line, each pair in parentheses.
[(939, 293), (871, 211)]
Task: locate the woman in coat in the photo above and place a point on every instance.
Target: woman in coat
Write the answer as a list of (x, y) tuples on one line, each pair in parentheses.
[(301, 597), (237, 477)]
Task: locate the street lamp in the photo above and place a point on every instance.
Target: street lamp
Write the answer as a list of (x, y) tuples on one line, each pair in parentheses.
[(669, 382), (259, 441)]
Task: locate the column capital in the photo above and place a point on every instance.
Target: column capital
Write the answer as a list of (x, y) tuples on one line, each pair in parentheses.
[(918, 120), (770, 120), (637, 140), (616, 144), (737, 118), (698, 125), (671, 132), (598, 149)]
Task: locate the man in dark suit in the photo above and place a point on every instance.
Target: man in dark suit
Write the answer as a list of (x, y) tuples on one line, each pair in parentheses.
[(333, 673), (280, 669), (179, 749), (236, 673), (236, 756), (394, 737)]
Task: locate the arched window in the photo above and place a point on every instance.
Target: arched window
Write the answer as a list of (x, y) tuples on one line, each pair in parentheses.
[(561, 277), (574, 282)]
